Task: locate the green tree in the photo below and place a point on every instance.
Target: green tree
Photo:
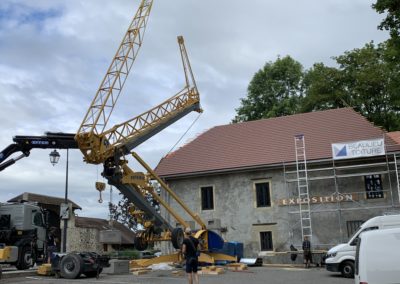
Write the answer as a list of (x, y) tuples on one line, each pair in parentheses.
[(392, 24), (121, 211), (324, 89), (367, 80), (392, 21), (275, 90)]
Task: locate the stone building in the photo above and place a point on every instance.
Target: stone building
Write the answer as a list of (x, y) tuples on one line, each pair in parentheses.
[(245, 181)]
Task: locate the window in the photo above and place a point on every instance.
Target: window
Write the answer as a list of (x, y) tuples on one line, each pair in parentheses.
[(207, 198), (352, 227), (37, 219), (373, 186), (266, 241), (262, 194)]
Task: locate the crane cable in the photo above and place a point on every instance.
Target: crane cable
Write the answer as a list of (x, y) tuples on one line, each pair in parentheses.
[(179, 140)]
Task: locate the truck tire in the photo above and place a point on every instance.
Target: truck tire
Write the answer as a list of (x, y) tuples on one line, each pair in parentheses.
[(177, 238), (24, 258), (71, 266), (347, 269)]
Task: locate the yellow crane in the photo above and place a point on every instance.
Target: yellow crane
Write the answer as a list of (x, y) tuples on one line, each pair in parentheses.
[(109, 147)]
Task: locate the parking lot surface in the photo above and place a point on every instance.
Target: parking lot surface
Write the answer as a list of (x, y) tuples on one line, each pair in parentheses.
[(266, 275)]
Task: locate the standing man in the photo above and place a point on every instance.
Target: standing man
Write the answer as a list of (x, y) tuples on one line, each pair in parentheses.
[(51, 243), (307, 252), (190, 251)]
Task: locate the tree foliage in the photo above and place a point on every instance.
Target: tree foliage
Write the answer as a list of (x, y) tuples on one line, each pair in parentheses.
[(392, 24), (121, 211), (392, 21), (275, 90), (366, 79)]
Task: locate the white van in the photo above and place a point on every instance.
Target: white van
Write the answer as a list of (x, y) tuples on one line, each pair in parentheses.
[(377, 257), (341, 258)]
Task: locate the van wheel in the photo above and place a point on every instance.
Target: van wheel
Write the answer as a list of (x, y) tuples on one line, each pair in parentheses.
[(347, 269), (25, 258)]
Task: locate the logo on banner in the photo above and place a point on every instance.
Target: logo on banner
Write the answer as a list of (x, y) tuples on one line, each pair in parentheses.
[(340, 152)]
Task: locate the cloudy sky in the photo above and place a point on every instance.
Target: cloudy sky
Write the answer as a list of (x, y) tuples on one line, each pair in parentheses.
[(54, 54)]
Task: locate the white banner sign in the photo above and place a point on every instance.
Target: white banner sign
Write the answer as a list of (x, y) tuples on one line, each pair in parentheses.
[(364, 148)]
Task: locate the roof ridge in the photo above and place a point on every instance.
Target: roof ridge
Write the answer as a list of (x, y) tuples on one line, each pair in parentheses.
[(290, 116)]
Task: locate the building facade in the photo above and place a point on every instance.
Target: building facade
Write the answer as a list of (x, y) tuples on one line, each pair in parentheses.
[(246, 183)]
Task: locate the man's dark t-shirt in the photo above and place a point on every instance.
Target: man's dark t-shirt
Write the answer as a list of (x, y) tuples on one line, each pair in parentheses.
[(191, 247)]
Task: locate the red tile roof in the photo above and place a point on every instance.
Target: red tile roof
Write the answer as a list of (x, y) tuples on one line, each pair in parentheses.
[(269, 141), (395, 135)]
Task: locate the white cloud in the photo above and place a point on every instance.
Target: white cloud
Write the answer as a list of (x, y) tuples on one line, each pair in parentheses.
[(54, 54)]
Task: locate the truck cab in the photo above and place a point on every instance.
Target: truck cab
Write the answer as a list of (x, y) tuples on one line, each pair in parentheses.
[(341, 258), (22, 234)]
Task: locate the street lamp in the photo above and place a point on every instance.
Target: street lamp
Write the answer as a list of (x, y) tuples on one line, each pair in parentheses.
[(54, 158)]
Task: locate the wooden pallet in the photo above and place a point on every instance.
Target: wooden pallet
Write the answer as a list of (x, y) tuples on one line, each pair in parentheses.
[(211, 270), (236, 266)]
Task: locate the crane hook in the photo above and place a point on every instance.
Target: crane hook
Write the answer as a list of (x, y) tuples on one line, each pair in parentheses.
[(100, 186)]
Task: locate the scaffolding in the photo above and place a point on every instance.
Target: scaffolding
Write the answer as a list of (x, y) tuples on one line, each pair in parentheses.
[(300, 173)]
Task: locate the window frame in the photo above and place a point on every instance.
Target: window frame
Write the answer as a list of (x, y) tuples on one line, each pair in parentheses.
[(269, 242), (34, 214), (269, 193), (212, 197), (371, 183)]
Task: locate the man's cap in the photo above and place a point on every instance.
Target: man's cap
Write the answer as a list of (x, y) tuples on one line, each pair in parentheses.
[(188, 230)]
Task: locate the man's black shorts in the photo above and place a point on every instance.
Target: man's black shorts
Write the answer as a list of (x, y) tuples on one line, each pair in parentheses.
[(191, 265)]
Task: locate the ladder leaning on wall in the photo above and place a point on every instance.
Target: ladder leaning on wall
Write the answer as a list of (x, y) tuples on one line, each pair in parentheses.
[(302, 186)]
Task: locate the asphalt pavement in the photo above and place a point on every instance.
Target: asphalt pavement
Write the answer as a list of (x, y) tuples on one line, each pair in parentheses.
[(265, 275)]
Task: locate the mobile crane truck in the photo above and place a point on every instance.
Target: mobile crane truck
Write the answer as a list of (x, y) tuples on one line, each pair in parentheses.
[(24, 227)]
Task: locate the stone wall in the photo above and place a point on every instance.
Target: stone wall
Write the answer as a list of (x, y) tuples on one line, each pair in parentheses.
[(83, 239)]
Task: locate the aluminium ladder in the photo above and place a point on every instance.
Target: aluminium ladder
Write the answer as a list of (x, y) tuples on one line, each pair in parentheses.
[(302, 186)]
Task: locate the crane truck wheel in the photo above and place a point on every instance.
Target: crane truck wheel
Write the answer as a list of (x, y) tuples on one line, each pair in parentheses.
[(25, 258), (177, 238), (71, 266)]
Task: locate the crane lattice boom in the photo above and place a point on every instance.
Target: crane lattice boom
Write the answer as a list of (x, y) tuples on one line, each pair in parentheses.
[(107, 95), (122, 138)]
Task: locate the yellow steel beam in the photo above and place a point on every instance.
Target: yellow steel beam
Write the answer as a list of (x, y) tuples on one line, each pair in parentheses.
[(170, 191)]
